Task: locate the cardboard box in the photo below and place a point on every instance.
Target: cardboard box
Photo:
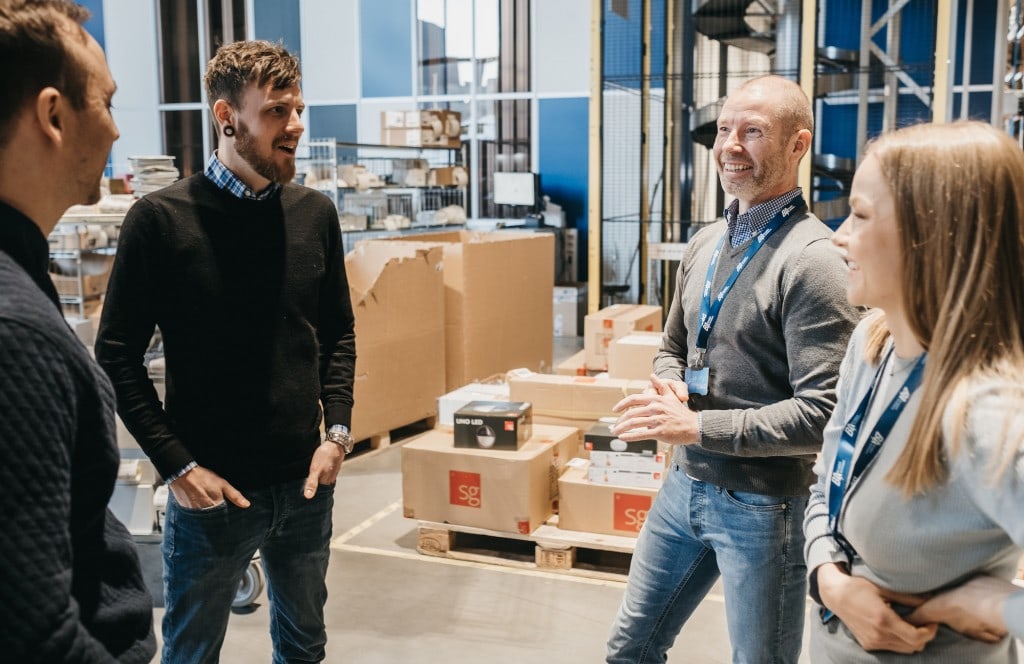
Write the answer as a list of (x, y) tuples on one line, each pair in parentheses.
[(448, 403), (583, 399), (574, 365), (601, 508), (618, 320), (397, 296), (448, 176), (632, 356), (503, 491), (497, 301), (93, 285), (600, 438), (498, 425), (423, 128), (570, 308)]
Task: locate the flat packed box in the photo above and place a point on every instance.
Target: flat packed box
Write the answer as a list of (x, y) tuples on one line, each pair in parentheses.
[(513, 491), (616, 321), (601, 508), (632, 355), (397, 296), (576, 401), (497, 301), (570, 307), (648, 479), (423, 128), (448, 403), (645, 462), (499, 425), (599, 437)]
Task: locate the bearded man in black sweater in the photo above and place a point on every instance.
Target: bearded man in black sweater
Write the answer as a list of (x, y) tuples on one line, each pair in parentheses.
[(244, 275), (71, 589)]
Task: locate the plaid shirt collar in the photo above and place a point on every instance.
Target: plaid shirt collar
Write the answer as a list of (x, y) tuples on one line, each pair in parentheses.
[(221, 176), (744, 226)]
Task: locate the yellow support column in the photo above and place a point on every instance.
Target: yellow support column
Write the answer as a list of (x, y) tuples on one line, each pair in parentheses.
[(941, 96), (595, 160)]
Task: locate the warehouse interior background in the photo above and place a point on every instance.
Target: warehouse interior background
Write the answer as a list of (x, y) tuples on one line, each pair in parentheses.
[(610, 102), (607, 108)]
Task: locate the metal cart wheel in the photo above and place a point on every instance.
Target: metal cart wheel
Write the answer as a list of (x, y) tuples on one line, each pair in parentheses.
[(251, 586)]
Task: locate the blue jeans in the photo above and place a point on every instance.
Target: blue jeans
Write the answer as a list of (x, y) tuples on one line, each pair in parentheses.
[(696, 532), (207, 551)]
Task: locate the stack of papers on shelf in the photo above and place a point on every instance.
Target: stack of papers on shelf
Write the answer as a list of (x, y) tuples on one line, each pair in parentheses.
[(152, 172)]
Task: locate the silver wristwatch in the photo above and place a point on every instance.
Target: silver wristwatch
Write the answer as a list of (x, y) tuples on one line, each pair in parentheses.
[(339, 435)]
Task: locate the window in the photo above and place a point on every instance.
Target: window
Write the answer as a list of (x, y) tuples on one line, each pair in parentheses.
[(186, 45), (474, 57)]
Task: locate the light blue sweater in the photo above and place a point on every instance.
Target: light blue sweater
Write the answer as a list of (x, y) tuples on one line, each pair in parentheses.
[(970, 525)]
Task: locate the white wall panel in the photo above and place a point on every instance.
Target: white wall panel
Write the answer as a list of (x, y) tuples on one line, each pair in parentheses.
[(563, 47), (330, 50), (130, 31)]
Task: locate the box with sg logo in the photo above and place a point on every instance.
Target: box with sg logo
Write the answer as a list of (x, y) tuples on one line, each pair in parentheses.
[(493, 425)]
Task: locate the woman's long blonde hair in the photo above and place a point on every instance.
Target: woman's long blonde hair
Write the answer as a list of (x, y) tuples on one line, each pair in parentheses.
[(959, 202)]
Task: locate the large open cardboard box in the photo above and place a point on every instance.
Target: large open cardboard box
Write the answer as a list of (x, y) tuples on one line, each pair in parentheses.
[(498, 291), (398, 297), (503, 490)]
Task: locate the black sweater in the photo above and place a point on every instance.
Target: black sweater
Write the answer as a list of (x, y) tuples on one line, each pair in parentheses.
[(71, 589), (252, 301)]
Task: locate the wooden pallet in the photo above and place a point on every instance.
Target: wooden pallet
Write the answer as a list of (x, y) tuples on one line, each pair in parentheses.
[(386, 438), (547, 548)]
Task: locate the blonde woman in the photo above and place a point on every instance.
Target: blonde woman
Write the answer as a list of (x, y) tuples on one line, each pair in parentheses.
[(915, 526)]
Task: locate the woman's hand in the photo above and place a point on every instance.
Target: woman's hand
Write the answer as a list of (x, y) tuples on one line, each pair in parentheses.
[(866, 610), (974, 608)]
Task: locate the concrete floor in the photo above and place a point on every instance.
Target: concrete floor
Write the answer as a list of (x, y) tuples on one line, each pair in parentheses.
[(389, 603)]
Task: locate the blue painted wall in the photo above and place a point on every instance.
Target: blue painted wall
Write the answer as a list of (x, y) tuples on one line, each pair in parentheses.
[(275, 20), (95, 24), (386, 49), (622, 39), (338, 122), (563, 161)]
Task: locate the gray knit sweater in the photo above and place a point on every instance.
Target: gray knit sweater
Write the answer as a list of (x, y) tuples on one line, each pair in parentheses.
[(773, 356), (968, 526)]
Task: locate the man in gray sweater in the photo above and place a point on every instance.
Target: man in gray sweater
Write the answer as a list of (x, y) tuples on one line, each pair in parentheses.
[(743, 385)]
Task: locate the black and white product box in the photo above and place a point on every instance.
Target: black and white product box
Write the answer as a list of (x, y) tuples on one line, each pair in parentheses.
[(642, 461), (493, 425), (599, 438), (622, 477)]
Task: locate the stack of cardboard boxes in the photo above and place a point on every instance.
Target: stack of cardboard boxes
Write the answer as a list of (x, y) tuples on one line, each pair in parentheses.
[(477, 483)]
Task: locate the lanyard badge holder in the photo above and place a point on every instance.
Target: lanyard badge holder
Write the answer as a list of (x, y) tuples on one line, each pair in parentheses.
[(845, 471), (697, 375)]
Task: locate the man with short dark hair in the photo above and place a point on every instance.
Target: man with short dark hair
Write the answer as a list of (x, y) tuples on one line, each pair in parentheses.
[(71, 589), (244, 274), (743, 385)]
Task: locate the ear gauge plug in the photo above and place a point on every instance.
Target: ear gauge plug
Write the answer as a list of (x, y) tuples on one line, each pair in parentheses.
[(229, 130)]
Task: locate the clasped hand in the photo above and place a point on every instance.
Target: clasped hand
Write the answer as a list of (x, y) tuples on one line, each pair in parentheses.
[(973, 609), (660, 413)]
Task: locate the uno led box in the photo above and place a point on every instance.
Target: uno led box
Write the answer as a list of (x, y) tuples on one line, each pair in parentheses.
[(600, 438), (497, 425)]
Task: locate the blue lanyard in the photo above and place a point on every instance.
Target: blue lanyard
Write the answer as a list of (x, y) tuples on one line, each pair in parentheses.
[(709, 309), (842, 477)]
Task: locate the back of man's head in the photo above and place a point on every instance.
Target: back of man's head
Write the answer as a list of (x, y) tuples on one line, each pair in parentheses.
[(34, 48), (240, 63)]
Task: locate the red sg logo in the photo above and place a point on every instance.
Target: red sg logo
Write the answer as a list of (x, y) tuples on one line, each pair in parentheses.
[(464, 489), (510, 425), (631, 511)]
